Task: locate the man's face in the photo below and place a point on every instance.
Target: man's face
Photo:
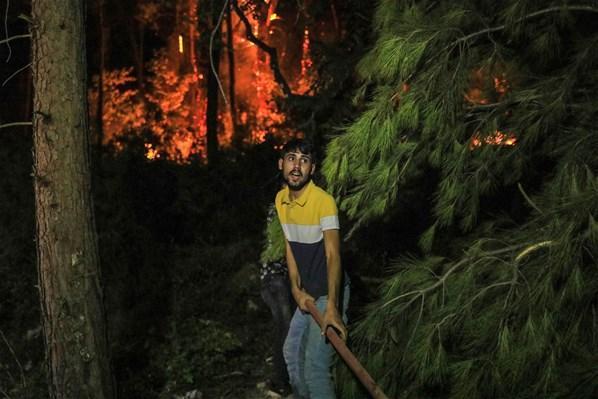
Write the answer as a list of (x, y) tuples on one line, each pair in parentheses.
[(297, 169)]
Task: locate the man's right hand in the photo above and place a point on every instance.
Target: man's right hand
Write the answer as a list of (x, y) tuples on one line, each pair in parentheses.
[(301, 297)]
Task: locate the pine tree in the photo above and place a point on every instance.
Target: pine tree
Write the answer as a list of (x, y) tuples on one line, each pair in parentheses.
[(493, 103), (77, 351)]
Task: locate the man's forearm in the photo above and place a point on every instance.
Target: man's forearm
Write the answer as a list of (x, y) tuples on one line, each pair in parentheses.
[(333, 264), (334, 280), (294, 278), (295, 286)]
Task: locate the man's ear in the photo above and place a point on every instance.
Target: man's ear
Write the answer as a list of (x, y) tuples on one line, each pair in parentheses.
[(313, 169), (279, 163)]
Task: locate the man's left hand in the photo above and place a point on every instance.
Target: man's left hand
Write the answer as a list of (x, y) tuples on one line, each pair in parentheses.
[(333, 319)]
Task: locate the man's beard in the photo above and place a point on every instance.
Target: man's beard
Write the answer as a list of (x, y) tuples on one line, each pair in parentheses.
[(298, 185)]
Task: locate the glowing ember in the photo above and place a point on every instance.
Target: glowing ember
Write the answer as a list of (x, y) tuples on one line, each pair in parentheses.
[(501, 84), (507, 139), (484, 90), (150, 152), (307, 77)]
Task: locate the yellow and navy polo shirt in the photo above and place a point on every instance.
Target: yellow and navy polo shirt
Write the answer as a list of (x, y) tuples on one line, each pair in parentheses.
[(303, 221)]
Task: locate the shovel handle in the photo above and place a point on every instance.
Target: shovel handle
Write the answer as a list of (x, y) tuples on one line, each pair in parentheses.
[(349, 358)]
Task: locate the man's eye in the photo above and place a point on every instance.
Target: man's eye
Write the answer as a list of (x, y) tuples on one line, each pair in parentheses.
[(304, 160)]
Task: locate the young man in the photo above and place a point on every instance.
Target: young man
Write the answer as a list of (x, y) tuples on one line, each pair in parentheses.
[(309, 219)]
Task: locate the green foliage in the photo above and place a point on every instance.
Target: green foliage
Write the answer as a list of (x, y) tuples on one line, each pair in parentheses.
[(274, 248), (196, 350), (503, 302)]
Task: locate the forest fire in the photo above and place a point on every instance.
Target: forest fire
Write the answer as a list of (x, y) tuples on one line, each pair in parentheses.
[(485, 89), (172, 104)]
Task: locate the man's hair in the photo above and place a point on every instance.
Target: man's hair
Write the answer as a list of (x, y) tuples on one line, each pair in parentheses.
[(301, 145)]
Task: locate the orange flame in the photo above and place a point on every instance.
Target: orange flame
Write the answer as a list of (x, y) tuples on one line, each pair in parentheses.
[(507, 139), (479, 93), (173, 105)]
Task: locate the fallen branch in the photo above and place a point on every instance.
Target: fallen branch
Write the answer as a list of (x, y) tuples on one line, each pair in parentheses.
[(228, 375)]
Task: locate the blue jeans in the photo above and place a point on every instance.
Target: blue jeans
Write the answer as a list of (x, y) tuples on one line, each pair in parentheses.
[(308, 354)]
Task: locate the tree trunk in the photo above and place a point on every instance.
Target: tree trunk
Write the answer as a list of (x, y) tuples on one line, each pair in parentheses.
[(237, 137), (67, 255), (212, 89), (135, 31), (100, 104)]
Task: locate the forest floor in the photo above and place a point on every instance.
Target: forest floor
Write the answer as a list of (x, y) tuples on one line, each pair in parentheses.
[(249, 371), (249, 368)]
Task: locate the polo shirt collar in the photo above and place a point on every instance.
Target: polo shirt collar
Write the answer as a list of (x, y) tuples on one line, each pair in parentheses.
[(302, 199)]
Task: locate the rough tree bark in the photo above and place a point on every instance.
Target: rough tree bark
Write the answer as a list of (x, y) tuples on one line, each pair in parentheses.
[(67, 255)]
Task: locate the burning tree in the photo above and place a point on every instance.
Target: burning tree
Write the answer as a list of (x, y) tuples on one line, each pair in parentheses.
[(171, 93), (282, 70), (492, 104)]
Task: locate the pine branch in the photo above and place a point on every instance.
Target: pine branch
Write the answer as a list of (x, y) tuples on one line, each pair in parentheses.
[(7, 125), (532, 248), (15, 37), (271, 51), (442, 280), (528, 199), (522, 19)]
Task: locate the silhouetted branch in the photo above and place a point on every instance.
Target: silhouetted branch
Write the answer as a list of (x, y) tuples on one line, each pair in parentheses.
[(524, 18), (263, 46), (14, 355), (15, 124), (15, 37), (212, 36), (16, 73)]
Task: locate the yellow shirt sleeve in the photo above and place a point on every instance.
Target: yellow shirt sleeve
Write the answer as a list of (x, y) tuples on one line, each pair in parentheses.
[(328, 214)]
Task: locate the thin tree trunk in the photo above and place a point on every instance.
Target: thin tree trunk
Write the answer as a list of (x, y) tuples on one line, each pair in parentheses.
[(135, 33), (100, 104), (237, 138), (67, 254), (213, 90)]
